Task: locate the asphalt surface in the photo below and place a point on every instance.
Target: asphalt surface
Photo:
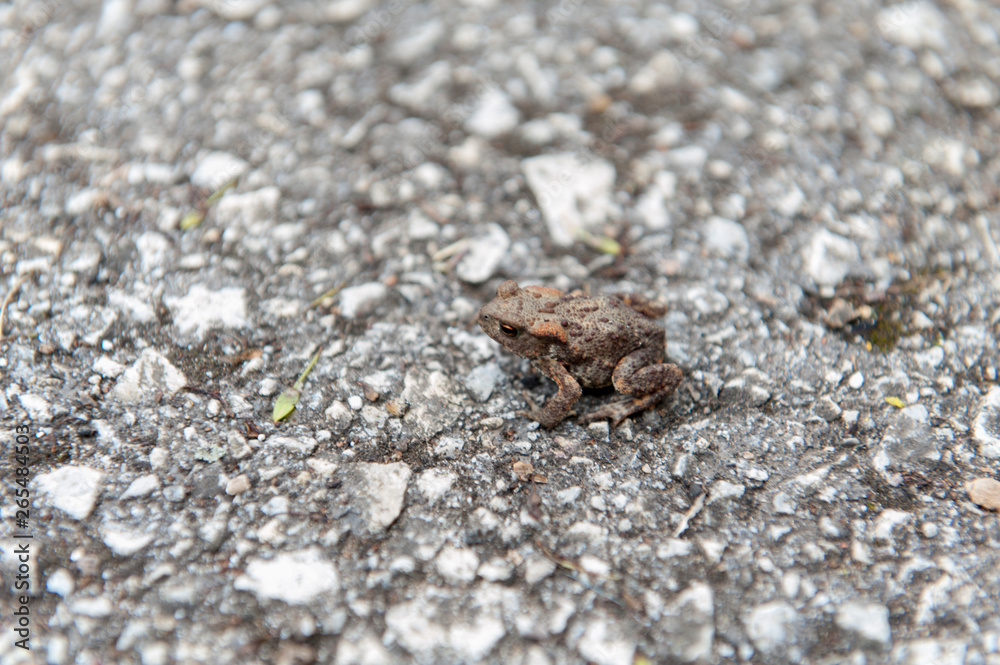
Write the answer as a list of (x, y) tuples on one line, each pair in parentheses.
[(201, 198)]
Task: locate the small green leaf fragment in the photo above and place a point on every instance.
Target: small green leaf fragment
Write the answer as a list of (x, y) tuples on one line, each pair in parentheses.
[(289, 397), (217, 194), (192, 219), (896, 402), (602, 244), (607, 245), (329, 294), (305, 372), (285, 403)]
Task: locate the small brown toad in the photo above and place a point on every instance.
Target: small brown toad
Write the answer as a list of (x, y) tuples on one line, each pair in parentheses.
[(582, 341)]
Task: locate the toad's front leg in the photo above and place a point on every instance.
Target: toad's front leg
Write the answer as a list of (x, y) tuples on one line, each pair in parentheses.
[(559, 405)]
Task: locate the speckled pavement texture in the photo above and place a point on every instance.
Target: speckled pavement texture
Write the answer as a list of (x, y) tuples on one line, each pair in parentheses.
[(201, 197)]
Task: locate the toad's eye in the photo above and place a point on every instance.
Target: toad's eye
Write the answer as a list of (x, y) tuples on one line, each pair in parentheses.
[(508, 330)]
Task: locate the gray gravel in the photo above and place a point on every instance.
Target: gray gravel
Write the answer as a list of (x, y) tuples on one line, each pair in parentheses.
[(810, 189)]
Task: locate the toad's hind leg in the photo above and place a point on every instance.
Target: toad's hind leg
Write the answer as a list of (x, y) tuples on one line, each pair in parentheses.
[(651, 383)]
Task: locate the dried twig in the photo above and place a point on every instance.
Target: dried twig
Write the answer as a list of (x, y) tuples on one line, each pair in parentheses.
[(7, 300), (696, 507)]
